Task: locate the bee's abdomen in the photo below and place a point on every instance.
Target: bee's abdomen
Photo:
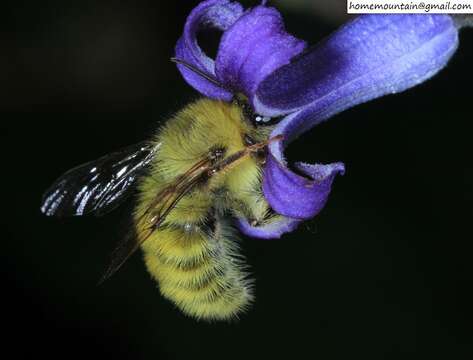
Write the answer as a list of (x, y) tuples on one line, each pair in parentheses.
[(200, 271)]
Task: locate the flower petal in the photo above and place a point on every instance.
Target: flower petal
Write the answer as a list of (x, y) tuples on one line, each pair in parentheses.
[(253, 48), (218, 14), (296, 196), (273, 230), (371, 56)]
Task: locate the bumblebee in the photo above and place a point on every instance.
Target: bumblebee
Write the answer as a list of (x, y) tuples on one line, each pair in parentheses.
[(201, 169)]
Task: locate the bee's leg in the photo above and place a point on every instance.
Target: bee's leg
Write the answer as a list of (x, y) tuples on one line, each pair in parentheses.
[(241, 209)]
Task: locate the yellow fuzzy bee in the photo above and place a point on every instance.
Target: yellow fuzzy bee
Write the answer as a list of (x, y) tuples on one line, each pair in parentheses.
[(204, 164)]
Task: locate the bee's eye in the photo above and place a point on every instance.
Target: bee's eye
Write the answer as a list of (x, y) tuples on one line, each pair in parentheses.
[(262, 119), (251, 116), (256, 119)]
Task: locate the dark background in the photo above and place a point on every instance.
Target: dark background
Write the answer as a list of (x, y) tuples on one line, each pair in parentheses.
[(384, 272)]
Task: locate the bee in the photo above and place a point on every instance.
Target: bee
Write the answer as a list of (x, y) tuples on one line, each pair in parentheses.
[(201, 169)]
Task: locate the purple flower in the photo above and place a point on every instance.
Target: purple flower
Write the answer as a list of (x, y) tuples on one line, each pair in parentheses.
[(368, 57)]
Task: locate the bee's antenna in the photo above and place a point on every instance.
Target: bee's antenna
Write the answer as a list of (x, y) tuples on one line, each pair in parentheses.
[(199, 72)]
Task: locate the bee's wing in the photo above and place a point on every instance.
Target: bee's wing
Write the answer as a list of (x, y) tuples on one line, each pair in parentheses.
[(99, 186), (152, 218)]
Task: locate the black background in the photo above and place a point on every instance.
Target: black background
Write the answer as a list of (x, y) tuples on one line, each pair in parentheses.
[(384, 272)]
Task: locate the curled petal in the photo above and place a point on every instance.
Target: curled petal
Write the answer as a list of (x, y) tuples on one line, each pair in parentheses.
[(274, 230), (253, 48), (296, 196), (371, 56), (217, 14)]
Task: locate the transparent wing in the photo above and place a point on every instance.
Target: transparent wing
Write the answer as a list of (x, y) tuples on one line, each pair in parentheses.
[(99, 186), (155, 214)]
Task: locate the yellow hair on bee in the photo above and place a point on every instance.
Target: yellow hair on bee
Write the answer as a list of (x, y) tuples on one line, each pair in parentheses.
[(193, 254)]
